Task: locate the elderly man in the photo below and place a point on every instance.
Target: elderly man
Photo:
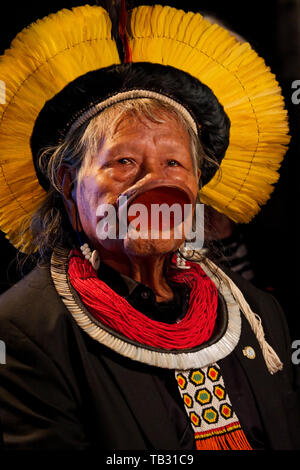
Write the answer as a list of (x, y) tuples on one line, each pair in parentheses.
[(138, 341)]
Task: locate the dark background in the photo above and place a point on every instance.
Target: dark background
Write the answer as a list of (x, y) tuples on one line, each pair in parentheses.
[(273, 29)]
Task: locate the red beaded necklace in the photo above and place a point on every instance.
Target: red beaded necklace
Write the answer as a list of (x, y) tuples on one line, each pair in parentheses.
[(115, 312)]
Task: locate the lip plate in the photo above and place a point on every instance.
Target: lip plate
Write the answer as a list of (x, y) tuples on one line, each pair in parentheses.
[(133, 193)]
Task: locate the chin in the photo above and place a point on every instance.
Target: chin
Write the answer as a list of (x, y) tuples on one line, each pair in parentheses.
[(151, 247)]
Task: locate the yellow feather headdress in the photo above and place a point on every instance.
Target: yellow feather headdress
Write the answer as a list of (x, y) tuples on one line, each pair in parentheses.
[(54, 51)]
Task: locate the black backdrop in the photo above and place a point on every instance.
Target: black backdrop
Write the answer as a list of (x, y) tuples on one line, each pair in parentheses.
[(272, 28)]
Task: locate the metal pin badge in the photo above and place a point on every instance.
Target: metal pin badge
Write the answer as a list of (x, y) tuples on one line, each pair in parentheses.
[(249, 352)]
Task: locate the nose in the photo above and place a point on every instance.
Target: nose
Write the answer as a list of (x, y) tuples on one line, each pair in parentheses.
[(153, 173), (151, 169)]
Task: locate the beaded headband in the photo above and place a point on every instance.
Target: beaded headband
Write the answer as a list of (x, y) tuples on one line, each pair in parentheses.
[(97, 108)]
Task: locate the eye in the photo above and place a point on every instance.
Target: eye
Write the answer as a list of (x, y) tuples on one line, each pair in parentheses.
[(125, 161), (173, 163)]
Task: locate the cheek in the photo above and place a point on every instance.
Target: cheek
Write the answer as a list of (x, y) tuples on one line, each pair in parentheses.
[(121, 174), (192, 183), (89, 196)]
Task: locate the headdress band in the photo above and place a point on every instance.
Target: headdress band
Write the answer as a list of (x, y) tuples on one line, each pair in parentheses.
[(97, 108)]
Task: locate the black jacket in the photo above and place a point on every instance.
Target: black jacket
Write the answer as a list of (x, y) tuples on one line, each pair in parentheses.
[(60, 389)]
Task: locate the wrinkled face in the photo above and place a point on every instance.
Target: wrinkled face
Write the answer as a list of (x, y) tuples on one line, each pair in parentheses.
[(147, 162)]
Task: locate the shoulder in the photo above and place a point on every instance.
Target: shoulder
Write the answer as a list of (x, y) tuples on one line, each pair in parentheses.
[(39, 387), (263, 304), (34, 291), (273, 319), (33, 309)]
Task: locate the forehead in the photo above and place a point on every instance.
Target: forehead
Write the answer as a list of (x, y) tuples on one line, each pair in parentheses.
[(130, 123), (131, 114), (134, 125)]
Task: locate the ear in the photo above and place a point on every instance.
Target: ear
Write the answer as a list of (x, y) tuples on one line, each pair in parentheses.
[(199, 173), (66, 178)]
